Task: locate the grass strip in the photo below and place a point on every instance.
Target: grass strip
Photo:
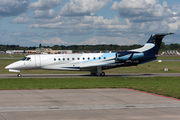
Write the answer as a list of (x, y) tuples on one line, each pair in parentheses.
[(167, 86)]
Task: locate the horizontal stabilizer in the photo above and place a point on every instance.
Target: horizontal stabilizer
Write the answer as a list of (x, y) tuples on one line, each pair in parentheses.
[(161, 34)]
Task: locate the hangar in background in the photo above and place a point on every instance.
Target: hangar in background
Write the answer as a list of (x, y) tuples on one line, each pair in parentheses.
[(39, 51)]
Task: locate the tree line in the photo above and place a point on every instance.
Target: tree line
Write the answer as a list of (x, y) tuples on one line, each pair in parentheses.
[(100, 47)]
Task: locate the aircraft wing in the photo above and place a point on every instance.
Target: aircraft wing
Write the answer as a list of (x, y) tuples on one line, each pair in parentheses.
[(104, 66)]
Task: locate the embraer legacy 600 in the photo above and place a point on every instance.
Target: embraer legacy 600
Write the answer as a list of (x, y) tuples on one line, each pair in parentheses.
[(93, 62)]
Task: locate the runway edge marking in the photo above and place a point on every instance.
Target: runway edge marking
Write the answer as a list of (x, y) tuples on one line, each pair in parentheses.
[(152, 94)]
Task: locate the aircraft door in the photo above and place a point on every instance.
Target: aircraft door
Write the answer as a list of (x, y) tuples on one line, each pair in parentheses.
[(37, 61)]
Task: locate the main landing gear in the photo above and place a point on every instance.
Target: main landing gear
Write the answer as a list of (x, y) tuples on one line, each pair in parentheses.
[(19, 75), (98, 72)]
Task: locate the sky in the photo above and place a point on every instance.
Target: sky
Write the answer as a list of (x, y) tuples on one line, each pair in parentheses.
[(87, 22)]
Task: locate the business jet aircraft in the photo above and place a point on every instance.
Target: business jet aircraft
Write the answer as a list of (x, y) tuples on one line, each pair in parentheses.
[(93, 62)]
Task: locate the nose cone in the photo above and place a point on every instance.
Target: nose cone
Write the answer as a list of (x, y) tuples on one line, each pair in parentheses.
[(16, 65), (12, 65), (9, 66)]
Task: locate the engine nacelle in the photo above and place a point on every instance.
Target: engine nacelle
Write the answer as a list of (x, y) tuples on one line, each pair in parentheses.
[(124, 56)]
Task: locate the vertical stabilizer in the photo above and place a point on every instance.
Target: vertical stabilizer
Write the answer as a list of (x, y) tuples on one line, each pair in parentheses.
[(156, 39), (151, 48)]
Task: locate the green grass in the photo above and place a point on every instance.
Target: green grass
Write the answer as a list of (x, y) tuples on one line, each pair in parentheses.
[(167, 86), (173, 57), (12, 55), (150, 67)]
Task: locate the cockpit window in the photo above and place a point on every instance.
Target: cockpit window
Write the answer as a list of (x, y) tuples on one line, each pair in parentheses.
[(26, 59)]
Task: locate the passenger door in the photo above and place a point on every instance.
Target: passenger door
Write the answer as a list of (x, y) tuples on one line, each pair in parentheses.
[(37, 61)]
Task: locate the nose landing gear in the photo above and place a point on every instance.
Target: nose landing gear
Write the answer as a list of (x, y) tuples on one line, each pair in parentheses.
[(19, 75)]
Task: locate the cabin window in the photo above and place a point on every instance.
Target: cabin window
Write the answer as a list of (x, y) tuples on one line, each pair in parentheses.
[(54, 59), (72, 58), (63, 58), (78, 58), (67, 58), (94, 58), (99, 57), (88, 58), (104, 57), (59, 59), (83, 58)]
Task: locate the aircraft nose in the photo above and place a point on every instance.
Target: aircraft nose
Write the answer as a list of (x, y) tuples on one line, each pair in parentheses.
[(15, 65), (11, 66), (8, 67)]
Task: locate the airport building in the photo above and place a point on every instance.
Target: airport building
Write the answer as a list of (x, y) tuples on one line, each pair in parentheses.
[(39, 51), (1, 52), (14, 51)]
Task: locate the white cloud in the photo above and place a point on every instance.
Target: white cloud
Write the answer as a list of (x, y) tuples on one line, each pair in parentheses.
[(141, 35), (16, 34), (24, 34), (124, 40), (13, 7), (91, 41), (45, 13), (142, 10), (51, 41), (70, 32), (44, 4), (83, 23), (54, 40), (140, 18), (46, 22), (36, 41), (83, 7), (21, 19), (103, 27), (115, 31)]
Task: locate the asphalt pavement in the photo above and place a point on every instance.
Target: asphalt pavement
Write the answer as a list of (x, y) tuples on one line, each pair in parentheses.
[(88, 75), (86, 104)]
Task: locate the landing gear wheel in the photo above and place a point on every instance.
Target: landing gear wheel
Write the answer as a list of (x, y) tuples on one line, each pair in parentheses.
[(92, 74), (19, 74), (103, 74), (98, 74)]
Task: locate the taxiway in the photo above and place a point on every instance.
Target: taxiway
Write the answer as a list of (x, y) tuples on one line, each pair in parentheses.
[(88, 75), (86, 104)]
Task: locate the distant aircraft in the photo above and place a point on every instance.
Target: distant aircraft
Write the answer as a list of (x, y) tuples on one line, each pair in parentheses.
[(93, 62)]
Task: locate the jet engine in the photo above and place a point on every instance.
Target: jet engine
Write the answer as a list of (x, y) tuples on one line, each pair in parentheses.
[(129, 56)]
